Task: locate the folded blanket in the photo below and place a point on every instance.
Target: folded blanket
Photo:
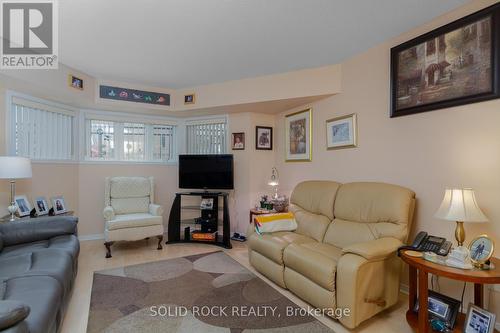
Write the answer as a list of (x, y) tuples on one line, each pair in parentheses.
[(275, 222)]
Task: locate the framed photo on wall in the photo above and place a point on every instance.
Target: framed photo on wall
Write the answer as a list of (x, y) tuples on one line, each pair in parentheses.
[(453, 65), (23, 205), (75, 82), (298, 136), (238, 141), (263, 138), (341, 132), (189, 99), (41, 206)]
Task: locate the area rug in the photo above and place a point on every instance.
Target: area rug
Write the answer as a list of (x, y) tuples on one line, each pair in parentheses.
[(202, 293)]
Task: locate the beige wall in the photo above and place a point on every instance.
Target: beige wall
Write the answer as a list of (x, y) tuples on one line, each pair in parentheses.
[(426, 152)]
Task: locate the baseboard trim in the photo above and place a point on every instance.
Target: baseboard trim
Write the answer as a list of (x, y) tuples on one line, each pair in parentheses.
[(91, 237)]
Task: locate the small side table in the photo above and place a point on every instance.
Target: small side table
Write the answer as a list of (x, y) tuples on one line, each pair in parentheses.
[(423, 267), (254, 212)]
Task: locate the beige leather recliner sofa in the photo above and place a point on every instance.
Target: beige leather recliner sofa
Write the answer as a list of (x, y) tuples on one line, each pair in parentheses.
[(343, 253)]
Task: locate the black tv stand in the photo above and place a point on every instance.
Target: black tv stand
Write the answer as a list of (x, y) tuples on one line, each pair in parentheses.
[(174, 221)]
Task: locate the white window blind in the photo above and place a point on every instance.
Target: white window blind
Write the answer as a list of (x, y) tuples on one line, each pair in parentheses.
[(41, 132), (129, 141), (206, 138)]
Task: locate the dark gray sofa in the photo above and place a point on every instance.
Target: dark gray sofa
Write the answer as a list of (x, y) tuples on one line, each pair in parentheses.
[(38, 266)]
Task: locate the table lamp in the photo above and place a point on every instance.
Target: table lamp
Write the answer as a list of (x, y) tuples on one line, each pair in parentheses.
[(274, 181), (12, 168), (460, 205)]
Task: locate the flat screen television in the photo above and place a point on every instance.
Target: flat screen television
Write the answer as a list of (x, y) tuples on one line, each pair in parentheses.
[(214, 172)]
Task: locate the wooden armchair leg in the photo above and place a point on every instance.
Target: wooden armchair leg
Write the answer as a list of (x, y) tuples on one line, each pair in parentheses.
[(108, 249), (160, 239)]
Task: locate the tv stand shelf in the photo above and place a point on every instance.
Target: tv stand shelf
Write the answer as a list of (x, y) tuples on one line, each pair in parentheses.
[(175, 221)]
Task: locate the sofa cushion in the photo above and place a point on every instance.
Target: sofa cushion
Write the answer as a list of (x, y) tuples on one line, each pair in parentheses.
[(51, 262), (43, 294), (316, 197), (310, 224), (133, 221), (312, 263), (66, 243), (368, 211), (272, 245)]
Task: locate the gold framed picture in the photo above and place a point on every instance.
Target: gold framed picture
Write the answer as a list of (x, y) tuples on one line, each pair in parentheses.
[(481, 249), (75, 82), (298, 136), (189, 99), (342, 132)]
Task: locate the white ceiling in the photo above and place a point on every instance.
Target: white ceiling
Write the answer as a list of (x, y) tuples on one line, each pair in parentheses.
[(185, 43)]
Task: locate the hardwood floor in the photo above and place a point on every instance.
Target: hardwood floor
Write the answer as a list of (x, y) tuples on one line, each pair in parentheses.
[(131, 253)]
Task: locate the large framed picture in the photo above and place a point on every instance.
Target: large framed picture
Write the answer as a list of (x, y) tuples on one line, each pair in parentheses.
[(479, 320), (263, 138), (441, 307), (341, 132), (23, 205), (453, 65), (298, 136)]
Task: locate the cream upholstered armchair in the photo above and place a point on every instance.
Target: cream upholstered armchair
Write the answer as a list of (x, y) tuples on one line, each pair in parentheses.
[(130, 213)]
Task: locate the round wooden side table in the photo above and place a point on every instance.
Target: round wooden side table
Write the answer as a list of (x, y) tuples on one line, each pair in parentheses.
[(419, 269)]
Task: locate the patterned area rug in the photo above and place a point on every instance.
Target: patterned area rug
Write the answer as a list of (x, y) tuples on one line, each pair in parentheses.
[(203, 293)]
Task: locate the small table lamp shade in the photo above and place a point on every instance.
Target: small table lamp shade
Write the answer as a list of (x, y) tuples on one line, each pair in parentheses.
[(13, 167), (460, 205)]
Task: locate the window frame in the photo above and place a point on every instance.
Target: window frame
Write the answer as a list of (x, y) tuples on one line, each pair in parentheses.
[(121, 118)]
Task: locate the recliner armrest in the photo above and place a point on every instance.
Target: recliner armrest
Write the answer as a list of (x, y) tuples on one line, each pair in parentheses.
[(155, 210), (376, 249), (12, 312), (109, 213)]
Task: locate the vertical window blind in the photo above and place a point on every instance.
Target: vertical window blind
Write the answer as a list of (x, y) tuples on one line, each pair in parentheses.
[(42, 132), (206, 138)]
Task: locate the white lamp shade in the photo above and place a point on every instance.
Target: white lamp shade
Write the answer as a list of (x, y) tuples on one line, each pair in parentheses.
[(13, 167), (460, 205)]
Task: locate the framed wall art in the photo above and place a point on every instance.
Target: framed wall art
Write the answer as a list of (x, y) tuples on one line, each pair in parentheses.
[(453, 65), (75, 82), (298, 136), (238, 141), (341, 132), (133, 95), (263, 138), (189, 99)]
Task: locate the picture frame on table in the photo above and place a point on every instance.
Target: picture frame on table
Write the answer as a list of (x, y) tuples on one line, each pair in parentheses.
[(298, 136), (41, 206), (59, 205), (342, 132), (238, 141), (479, 320), (441, 307), (23, 205), (452, 65), (481, 249), (263, 138)]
